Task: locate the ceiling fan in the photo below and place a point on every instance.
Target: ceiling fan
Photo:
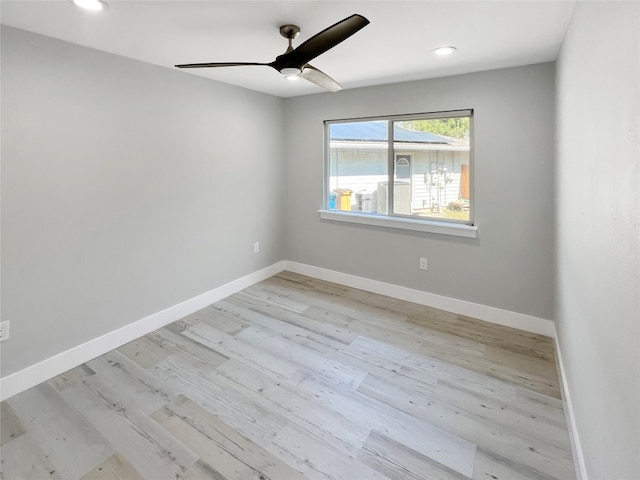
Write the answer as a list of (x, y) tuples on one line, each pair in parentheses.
[(293, 64)]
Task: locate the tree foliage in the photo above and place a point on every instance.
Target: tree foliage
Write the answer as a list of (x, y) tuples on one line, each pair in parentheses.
[(456, 127)]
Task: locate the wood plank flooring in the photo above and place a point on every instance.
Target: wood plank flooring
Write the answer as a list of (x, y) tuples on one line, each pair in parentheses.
[(296, 378)]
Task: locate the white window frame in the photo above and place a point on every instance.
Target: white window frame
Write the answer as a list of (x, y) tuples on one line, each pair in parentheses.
[(460, 228)]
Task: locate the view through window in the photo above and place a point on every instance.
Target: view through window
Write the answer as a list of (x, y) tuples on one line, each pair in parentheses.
[(408, 166)]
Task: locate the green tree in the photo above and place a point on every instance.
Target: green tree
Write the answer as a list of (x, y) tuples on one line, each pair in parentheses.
[(456, 127)]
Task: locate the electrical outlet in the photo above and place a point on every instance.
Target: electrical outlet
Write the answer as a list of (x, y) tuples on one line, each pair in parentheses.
[(423, 264), (256, 247), (4, 330)]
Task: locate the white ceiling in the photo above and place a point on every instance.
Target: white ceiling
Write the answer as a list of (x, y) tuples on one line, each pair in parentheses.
[(395, 47)]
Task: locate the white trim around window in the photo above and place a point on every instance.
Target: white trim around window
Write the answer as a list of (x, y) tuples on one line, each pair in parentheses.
[(403, 223), (393, 213)]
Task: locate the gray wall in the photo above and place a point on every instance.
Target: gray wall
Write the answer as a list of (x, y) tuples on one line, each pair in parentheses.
[(510, 264), (598, 234), (126, 189)]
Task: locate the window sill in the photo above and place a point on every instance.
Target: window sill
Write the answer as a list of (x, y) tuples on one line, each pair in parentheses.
[(443, 228)]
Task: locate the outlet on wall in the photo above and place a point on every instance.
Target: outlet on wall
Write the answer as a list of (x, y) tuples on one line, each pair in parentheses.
[(423, 264), (4, 330), (256, 247)]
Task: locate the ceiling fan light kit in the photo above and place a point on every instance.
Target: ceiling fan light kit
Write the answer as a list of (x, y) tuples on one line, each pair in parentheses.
[(290, 73), (293, 63)]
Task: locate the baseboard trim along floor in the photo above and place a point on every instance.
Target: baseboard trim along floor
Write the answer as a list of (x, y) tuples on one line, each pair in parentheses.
[(45, 370), (64, 361), (576, 447), (499, 316), (35, 374), (300, 378)]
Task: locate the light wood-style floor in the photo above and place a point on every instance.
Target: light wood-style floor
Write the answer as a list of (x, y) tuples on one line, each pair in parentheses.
[(296, 378)]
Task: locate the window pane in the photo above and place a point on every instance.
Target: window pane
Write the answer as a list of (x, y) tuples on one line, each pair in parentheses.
[(431, 168), (358, 165)]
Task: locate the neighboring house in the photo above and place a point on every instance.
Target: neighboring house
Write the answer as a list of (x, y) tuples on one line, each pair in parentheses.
[(431, 171)]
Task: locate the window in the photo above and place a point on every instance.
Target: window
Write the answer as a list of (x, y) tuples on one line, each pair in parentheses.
[(415, 168)]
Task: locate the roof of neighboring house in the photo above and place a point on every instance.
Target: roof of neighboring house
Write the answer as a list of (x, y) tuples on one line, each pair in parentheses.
[(377, 131)]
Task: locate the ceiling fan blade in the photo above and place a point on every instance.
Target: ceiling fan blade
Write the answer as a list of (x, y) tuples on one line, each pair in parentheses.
[(321, 42), (219, 64), (320, 78)]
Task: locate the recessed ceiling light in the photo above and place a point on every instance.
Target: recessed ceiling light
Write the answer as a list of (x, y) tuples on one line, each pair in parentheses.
[(94, 5), (442, 51)]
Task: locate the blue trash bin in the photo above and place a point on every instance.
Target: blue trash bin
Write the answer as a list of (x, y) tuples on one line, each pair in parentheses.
[(332, 201)]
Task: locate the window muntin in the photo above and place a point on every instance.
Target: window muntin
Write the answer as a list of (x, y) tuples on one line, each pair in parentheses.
[(426, 158)]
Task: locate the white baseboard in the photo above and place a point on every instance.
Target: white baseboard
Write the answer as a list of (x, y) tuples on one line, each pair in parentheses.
[(60, 363), (33, 375), (576, 447), (507, 318)]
